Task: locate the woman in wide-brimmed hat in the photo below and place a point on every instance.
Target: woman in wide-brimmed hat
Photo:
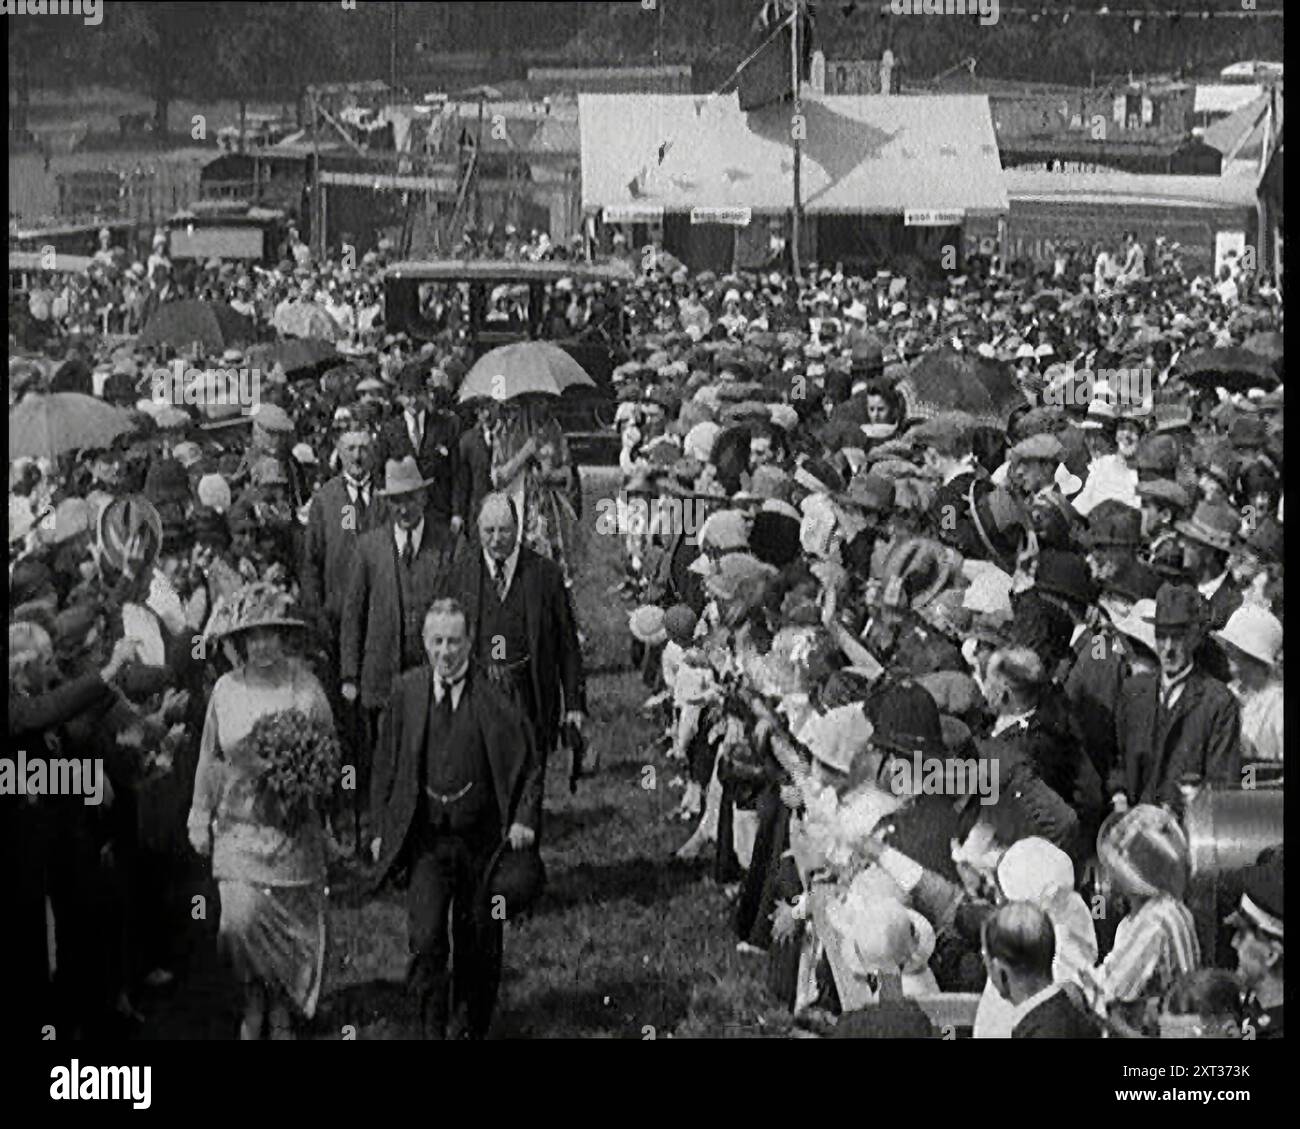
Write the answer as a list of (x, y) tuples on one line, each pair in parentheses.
[(1252, 638), (271, 878), (1145, 860)]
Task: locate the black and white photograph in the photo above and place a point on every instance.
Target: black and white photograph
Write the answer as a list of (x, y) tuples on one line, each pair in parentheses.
[(660, 520)]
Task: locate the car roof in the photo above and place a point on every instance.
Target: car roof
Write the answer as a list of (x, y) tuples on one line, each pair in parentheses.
[(63, 264)]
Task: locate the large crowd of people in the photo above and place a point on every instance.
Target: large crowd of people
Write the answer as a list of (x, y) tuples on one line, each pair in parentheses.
[(942, 657)]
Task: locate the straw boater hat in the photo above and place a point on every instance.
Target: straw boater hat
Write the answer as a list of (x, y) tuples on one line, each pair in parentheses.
[(255, 605), (402, 476)]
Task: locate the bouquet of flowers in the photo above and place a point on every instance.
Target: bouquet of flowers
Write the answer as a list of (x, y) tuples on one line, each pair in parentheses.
[(304, 763)]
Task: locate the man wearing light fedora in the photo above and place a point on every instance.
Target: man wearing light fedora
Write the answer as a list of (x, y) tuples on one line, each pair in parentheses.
[(396, 572), (1181, 722), (1209, 537)]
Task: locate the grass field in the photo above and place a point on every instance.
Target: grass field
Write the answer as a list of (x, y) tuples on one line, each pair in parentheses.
[(626, 943)]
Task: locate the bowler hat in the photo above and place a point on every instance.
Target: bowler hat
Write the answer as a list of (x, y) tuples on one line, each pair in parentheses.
[(1065, 574), (1179, 606), (906, 720), (1113, 524), (517, 877), (1133, 581), (1212, 523)]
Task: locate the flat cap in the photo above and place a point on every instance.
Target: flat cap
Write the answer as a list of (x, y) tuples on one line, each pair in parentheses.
[(1045, 447)]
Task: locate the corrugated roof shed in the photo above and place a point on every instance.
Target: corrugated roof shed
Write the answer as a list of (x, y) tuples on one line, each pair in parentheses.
[(1131, 189), (868, 154)]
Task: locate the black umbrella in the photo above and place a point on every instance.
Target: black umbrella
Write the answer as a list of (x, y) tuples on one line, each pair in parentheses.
[(213, 325), (1232, 368)]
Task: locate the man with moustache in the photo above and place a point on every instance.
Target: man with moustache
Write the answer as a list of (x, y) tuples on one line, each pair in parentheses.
[(1178, 722), (346, 508), (521, 622), (396, 572), (457, 786)]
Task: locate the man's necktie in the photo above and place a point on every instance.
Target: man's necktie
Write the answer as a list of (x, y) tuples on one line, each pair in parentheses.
[(408, 551), (499, 579), (444, 699)]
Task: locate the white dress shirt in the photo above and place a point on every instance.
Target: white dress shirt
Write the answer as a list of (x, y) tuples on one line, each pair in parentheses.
[(416, 535), (457, 687), (415, 428), (509, 565)]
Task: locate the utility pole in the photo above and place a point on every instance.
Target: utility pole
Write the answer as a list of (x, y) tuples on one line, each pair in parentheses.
[(317, 208), (392, 47), (795, 132)]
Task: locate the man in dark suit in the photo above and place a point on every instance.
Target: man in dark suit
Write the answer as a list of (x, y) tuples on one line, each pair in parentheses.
[(431, 438), (1178, 722), (1033, 470), (346, 507), (396, 572), (1019, 945), (521, 622), (342, 511), (947, 446), (1208, 537), (475, 463), (456, 773)]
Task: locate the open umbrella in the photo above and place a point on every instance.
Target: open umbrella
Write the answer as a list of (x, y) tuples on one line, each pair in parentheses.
[(521, 369), (1267, 344), (213, 325), (1233, 368), (307, 319), (295, 354), (944, 380), (46, 426)]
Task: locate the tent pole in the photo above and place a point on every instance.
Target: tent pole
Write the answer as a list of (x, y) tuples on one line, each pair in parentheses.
[(798, 156)]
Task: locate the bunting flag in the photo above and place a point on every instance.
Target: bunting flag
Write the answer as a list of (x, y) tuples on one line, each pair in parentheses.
[(766, 79)]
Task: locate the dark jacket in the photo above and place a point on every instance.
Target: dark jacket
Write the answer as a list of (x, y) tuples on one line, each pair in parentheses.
[(370, 630), (1092, 688), (329, 545), (395, 780), (475, 473), (1057, 1017), (438, 457), (1201, 735), (555, 665)]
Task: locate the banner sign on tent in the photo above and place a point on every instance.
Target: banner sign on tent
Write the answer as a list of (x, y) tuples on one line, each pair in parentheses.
[(929, 217), (735, 217), (393, 181), (633, 213)]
